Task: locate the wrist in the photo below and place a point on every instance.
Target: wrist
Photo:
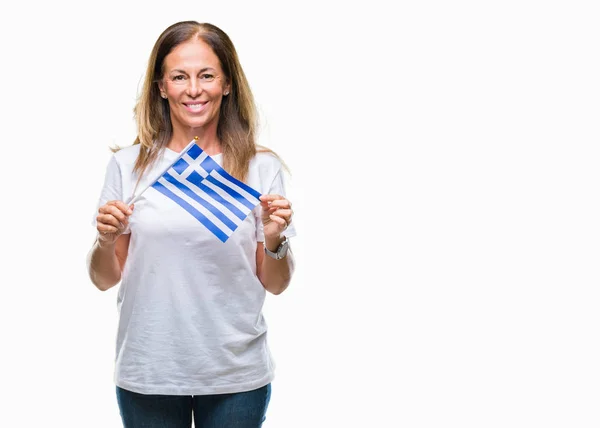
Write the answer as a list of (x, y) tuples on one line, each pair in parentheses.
[(273, 243), (104, 244), (280, 251)]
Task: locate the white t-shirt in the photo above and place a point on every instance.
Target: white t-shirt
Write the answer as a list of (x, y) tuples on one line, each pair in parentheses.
[(190, 306)]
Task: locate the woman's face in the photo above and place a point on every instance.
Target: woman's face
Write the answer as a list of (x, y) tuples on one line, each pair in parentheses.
[(194, 85)]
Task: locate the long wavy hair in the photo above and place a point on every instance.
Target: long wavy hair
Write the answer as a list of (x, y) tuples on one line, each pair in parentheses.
[(237, 125)]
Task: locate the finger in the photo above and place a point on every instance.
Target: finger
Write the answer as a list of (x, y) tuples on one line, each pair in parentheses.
[(280, 203), (266, 200), (270, 197), (109, 220), (121, 206), (113, 210), (280, 221), (286, 214), (105, 229), (128, 210), (111, 217)]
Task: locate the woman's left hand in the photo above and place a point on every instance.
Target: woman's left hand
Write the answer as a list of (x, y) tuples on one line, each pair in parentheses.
[(276, 215)]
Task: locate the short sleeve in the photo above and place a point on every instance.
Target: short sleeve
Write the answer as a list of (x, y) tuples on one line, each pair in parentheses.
[(277, 187), (112, 189)]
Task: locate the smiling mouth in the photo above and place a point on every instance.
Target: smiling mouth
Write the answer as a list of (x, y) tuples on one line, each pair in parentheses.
[(195, 106)]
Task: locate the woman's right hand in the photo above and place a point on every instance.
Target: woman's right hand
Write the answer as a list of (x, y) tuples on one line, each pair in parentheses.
[(112, 221)]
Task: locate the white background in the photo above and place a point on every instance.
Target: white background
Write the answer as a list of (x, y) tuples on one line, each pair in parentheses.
[(445, 166)]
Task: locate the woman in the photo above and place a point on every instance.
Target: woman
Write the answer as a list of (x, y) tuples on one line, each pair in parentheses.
[(191, 339)]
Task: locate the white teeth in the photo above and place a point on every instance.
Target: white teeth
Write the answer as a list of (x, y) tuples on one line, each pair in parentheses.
[(195, 106)]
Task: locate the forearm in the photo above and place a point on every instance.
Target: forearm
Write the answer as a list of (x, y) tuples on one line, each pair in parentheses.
[(275, 275), (103, 266)]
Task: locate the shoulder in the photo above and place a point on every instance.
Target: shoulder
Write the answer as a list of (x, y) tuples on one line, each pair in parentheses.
[(127, 155), (122, 162), (265, 163), (265, 168)]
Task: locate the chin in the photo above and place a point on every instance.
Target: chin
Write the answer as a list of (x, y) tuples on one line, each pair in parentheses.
[(193, 123), (196, 124)]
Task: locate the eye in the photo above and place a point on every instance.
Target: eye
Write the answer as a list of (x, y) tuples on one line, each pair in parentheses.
[(207, 76), (178, 78)]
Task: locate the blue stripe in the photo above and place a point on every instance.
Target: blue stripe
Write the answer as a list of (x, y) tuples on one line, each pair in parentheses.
[(209, 164), (239, 183), (232, 192), (194, 151), (215, 211), (180, 166), (197, 179), (193, 211)]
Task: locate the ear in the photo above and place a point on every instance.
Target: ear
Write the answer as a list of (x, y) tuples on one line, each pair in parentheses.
[(161, 87)]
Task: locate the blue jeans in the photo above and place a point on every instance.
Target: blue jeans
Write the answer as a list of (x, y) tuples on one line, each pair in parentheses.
[(239, 410)]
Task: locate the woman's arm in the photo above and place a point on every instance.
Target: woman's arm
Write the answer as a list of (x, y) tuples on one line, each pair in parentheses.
[(105, 262), (276, 215), (275, 275), (107, 256)]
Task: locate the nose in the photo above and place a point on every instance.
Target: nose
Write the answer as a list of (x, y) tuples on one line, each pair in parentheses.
[(194, 89)]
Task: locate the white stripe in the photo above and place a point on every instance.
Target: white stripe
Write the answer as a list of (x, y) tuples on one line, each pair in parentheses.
[(250, 198), (243, 208), (196, 205), (209, 199)]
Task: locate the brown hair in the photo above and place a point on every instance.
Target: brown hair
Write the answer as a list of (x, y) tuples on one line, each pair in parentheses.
[(237, 125)]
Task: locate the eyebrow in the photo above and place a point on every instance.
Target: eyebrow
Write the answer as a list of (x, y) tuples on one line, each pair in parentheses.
[(184, 72)]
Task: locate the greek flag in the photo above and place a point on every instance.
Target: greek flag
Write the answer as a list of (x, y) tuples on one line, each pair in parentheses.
[(204, 189)]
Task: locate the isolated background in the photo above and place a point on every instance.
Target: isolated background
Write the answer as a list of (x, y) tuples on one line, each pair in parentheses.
[(445, 183)]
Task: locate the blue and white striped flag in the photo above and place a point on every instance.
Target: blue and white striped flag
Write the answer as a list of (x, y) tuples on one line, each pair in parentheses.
[(204, 189)]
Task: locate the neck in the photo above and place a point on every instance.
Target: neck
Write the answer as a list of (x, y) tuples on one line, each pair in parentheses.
[(207, 140)]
